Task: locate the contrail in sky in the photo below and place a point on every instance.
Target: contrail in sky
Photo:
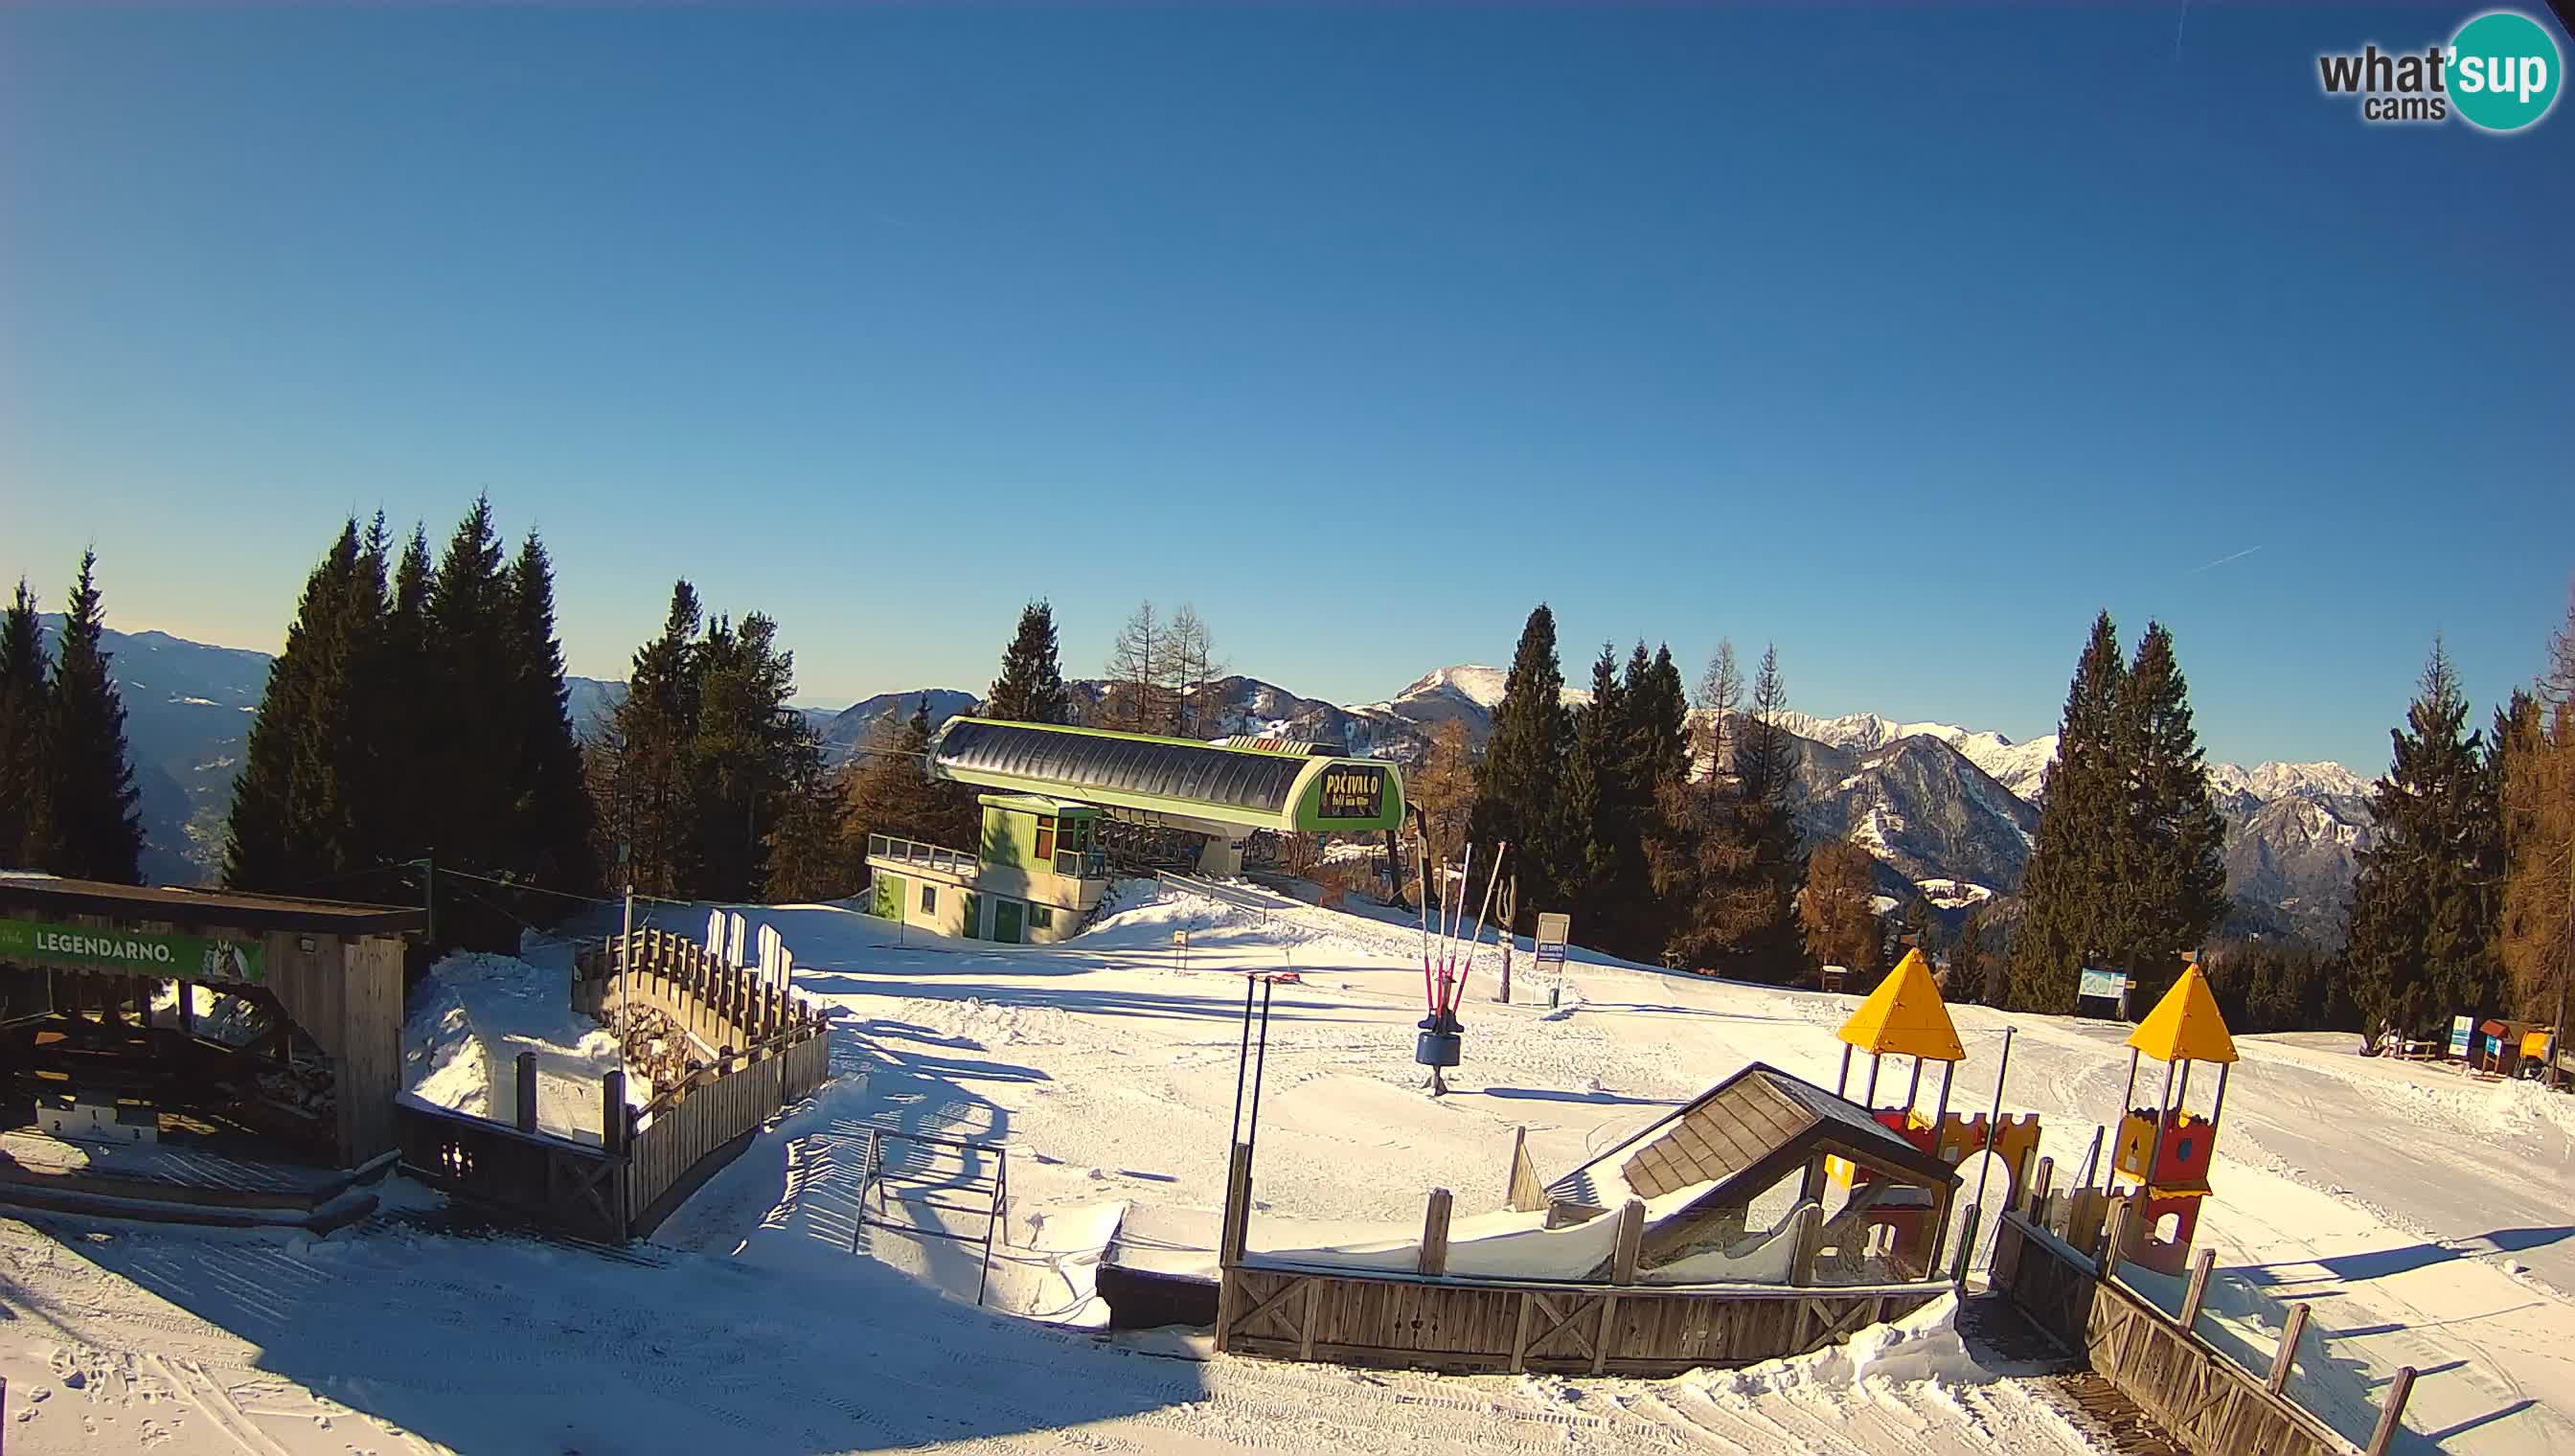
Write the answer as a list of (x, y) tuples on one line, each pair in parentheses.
[(2221, 561)]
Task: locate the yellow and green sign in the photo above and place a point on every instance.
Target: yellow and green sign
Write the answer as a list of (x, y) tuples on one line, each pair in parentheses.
[(132, 953)]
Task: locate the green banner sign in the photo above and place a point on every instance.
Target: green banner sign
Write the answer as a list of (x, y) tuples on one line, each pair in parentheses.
[(133, 953)]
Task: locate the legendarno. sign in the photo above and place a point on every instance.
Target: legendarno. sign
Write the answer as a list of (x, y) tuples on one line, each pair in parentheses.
[(133, 953)]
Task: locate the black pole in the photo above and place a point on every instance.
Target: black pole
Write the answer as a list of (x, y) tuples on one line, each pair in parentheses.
[(1242, 1061), (1260, 1065)]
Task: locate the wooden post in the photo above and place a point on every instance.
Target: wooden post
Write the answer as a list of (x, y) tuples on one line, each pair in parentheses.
[(2037, 1195), (2114, 1237), (1435, 1234), (613, 1123), (1631, 1241), (2287, 1354), (188, 1007), (2391, 1413), (526, 1070), (2202, 1265)]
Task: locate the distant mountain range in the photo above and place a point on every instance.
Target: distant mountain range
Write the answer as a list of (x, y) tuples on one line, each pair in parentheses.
[(1947, 810)]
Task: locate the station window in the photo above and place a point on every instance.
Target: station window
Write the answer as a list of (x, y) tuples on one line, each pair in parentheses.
[(1041, 917), (929, 899), (1046, 839)]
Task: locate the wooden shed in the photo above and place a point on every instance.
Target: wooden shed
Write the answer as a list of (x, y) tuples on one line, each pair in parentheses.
[(92, 1014)]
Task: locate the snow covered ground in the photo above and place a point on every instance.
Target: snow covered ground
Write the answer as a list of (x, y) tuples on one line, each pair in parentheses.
[(2423, 1215)]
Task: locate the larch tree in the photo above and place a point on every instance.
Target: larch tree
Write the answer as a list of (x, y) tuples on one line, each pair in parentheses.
[(23, 695), (1136, 694), (87, 820), (1444, 788), (2536, 937), (2426, 902), (1030, 687), (1836, 911)]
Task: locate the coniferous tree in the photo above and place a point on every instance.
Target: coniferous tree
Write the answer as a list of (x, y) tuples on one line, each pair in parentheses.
[(1723, 858), (23, 698), (1596, 812), (810, 858), (648, 803), (1969, 967), (86, 818), (2424, 907), (744, 751), (1030, 687), (1516, 783), (300, 804), (402, 711), (2172, 840), (474, 633), (2070, 892), (551, 841)]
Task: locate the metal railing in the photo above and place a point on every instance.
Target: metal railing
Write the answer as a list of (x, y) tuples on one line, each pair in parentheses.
[(960, 863), (1082, 863)]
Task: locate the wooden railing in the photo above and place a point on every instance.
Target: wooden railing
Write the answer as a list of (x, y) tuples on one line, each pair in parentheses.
[(721, 1005), (771, 1049), (2206, 1400), (569, 1188)]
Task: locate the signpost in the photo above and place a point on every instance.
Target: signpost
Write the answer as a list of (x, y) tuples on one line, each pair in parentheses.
[(2462, 1029), (1181, 937), (191, 958), (2098, 985), (1553, 929)]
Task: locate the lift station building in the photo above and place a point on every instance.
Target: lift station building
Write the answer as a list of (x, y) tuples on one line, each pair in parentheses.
[(1039, 867)]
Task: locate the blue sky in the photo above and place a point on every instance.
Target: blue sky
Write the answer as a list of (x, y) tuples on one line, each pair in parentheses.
[(1903, 340)]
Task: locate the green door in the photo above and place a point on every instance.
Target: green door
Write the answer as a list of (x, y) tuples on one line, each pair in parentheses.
[(970, 917), (1006, 921)]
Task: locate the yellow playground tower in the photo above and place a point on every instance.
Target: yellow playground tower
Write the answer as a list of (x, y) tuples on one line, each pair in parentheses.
[(2165, 1151), (1905, 1016)]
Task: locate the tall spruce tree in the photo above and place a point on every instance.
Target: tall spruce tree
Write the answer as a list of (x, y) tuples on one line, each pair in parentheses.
[(647, 797), (744, 751), (474, 635), (1601, 829), (1965, 984), (1517, 783), (2170, 851), (300, 802), (87, 820), (2426, 902), (2072, 890), (1030, 687), (403, 707), (552, 841), (23, 695), (809, 858)]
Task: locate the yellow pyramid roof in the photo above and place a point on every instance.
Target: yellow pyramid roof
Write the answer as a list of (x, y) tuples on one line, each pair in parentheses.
[(2185, 1025), (1905, 1015)]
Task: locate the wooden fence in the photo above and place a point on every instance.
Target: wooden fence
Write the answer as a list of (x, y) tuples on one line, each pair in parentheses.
[(1424, 1322), (771, 1049), (2205, 1400)]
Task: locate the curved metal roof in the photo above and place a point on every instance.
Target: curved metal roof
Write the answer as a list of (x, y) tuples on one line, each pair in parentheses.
[(1261, 782)]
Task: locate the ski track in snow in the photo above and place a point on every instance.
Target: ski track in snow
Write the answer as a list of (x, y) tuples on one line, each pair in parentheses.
[(751, 1325)]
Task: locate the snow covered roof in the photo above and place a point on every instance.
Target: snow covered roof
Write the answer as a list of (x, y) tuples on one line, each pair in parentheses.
[(1734, 1140)]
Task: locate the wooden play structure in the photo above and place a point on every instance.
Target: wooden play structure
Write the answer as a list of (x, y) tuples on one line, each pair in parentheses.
[(2164, 1152), (1905, 1016)]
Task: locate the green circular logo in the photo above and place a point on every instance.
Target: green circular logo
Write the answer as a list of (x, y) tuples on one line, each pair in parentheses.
[(2504, 71)]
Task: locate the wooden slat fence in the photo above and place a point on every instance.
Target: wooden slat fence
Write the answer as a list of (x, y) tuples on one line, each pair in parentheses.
[(1488, 1325), (2189, 1387), (773, 1049), (567, 1186)]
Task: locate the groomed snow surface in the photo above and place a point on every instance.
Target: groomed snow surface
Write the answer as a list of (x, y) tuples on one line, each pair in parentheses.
[(2422, 1214)]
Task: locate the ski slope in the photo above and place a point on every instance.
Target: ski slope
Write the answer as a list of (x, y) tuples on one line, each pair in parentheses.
[(2423, 1216)]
